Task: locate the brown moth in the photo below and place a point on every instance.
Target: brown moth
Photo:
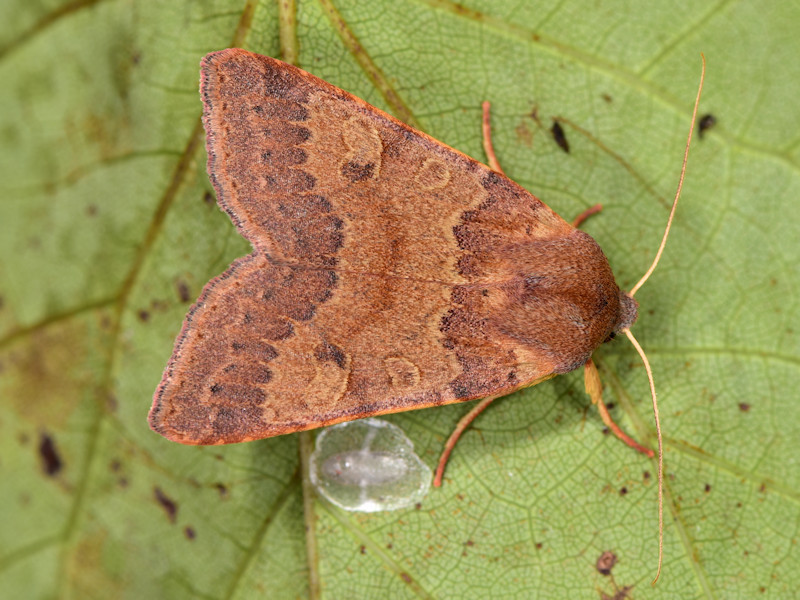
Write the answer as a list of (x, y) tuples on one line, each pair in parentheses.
[(389, 271)]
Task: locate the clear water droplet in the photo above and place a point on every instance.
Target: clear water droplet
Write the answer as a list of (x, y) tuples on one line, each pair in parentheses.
[(368, 466)]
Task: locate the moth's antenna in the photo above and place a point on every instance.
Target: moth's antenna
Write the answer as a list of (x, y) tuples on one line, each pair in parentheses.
[(636, 345), (647, 368), (652, 268)]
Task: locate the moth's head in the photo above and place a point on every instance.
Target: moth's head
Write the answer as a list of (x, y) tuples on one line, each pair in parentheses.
[(628, 311)]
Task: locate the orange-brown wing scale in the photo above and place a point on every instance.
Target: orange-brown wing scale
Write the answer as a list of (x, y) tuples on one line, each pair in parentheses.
[(389, 272)]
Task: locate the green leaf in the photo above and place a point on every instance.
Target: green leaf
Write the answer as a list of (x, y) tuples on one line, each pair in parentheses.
[(109, 230)]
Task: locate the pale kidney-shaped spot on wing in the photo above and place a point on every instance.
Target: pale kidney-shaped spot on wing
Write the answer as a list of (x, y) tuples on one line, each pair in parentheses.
[(362, 160), (402, 372), (434, 174)]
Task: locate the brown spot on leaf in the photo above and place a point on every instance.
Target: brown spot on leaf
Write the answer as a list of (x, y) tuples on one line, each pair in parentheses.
[(620, 594), (183, 290), (524, 134), (51, 460), (559, 136), (167, 503), (744, 406), (189, 532), (90, 552), (52, 371), (705, 123), (606, 562), (111, 403)]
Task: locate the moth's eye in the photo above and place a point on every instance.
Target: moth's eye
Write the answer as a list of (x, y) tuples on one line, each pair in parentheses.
[(368, 466), (610, 337)]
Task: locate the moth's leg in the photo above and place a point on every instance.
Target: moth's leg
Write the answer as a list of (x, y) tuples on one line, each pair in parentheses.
[(494, 165), (463, 423), (592, 210), (594, 388)]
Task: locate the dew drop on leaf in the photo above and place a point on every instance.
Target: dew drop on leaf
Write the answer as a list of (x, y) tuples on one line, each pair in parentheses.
[(368, 466)]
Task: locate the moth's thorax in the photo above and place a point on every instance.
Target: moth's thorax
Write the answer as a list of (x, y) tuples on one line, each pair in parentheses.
[(562, 299)]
